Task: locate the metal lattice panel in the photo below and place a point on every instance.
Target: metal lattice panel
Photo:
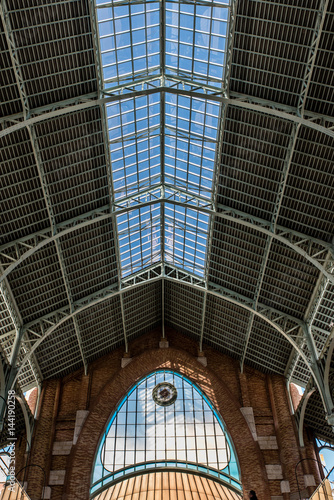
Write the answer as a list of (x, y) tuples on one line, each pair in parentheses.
[(23, 209), (59, 353), (236, 256), (183, 308), (286, 276), (7, 325), (38, 285), (142, 309), (253, 154), (324, 318), (259, 356), (54, 46), (271, 48), (10, 101), (73, 158), (316, 419), (307, 205), (225, 326), (101, 328), (90, 259), (320, 96)]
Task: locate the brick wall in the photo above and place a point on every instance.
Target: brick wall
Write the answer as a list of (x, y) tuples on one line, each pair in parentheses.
[(254, 406)]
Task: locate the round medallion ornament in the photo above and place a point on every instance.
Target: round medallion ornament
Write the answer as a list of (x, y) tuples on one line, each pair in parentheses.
[(164, 394)]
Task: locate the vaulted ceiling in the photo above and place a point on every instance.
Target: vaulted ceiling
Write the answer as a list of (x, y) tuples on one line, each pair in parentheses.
[(166, 163)]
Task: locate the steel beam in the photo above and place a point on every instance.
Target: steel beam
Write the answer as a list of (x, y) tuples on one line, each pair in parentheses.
[(14, 57), (27, 421), (302, 416), (302, 244), (162, 13), (20, 337), (284, 324), (123, 322), (99, 74), (245, 102), (47, 198), (90, 98), (311, 313), (329, 355), (274, 219), (229, 49), (321, 15)]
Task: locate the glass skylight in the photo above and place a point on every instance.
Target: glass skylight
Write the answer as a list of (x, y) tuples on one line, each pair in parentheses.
[(139, 238), (186, 232), (129, 41), (134, 135), (190, 142), (196, 41), (166, 137), (144, 433)]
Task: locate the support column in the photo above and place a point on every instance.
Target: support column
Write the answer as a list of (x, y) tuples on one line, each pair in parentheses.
[(286, 437)]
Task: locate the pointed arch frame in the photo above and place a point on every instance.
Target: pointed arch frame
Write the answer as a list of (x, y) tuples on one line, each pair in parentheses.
[(166, 464)]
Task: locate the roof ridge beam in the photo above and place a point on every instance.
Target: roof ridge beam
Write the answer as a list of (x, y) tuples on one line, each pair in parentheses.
[(283, 323), (245, 102), (302, 244)]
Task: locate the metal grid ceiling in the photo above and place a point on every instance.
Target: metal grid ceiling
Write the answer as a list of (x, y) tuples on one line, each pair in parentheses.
[(189, 149), (54, 47)]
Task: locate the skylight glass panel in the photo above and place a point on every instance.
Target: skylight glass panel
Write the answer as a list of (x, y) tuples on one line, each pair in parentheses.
[(192, 126), (129, 41), (145, 47), (145, 433), (134, 135), (186, 232), (139, 238), (196, 41)]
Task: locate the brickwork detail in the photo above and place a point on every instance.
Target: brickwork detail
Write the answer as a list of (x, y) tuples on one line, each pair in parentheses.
[(309, 480), (46, 493), (62, 448), (254, 407), (57, 477), (249, 417), (79, 421), (267, 442), (274, 472), (285, 487)]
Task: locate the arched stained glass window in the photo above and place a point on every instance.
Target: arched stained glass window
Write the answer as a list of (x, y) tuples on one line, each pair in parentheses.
[(165, 420)]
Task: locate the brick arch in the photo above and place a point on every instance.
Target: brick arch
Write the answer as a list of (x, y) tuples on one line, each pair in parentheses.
[(81, 460)]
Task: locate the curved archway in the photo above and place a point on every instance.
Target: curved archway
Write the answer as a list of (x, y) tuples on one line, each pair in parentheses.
[(165, 420), (105, 403)]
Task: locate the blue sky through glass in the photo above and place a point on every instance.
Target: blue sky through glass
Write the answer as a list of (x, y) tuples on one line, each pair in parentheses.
[(188, 433), (139, 238), (129, 40), (195, 40)]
